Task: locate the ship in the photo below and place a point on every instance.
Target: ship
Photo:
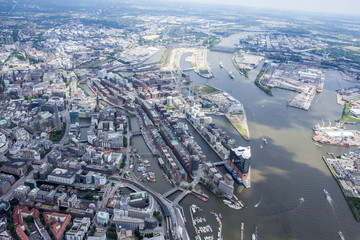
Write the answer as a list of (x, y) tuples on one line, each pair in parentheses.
[(200, 197), (231, 74), (319, 89), (236, 206), (327, 194), (221, 64)]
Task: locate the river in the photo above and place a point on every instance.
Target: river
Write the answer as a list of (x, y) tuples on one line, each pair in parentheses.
[(288, 168)]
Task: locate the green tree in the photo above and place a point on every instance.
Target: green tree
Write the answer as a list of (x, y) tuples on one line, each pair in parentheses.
[(89, 196), (29, 219)]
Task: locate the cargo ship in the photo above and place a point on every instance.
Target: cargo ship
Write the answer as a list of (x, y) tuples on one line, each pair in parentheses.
[(327, 194)]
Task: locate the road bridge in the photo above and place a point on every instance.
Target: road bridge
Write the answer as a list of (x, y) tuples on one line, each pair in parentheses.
[(219, 163), (170, 191)]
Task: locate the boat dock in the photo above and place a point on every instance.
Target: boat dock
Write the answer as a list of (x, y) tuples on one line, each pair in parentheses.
[(219, 235), (242, 231)]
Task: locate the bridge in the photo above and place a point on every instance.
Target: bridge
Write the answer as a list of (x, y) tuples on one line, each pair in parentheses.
[(145, 154), (219, 163), (180, 197), (187, 69), (136, 133), (171, 191)]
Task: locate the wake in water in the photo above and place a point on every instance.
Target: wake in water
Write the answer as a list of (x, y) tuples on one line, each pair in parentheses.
[(331, 203), (256, 205), (277, 208)]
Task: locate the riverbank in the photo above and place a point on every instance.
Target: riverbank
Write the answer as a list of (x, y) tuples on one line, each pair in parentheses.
[(257, 82), (350, 200), (346, 116), (239, 121), (242, 71)]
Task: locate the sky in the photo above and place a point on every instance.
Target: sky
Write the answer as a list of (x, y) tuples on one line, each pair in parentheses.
[(348, 7)]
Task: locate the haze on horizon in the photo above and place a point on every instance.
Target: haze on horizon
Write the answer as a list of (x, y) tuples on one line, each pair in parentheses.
[(345, 7)]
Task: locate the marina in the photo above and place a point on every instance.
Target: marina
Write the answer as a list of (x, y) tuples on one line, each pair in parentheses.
[(203, 230)]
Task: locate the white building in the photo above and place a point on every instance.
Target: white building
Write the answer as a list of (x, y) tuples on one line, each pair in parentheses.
[(61, 175), (102, 217), (99, 178), (79, 229), (102, 73)]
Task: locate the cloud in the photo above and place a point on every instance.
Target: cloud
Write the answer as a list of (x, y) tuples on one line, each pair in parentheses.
[(327, 6)]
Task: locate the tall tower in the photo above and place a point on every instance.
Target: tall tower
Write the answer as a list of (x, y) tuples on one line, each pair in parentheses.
[(58, 126)]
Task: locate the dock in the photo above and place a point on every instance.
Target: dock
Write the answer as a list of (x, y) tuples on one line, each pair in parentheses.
[(242, 231)]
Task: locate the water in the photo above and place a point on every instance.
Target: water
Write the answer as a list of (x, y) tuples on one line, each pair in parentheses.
[(285, 170), (156, 57), (289, 168), (161, 184)]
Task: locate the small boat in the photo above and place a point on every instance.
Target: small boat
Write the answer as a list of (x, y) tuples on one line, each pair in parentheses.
[(221, 64), (327, 194), (265, 140), (231, 74), (341, 235), (220, 216)]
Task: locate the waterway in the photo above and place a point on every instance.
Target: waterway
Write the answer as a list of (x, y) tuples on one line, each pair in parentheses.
[(161, 185), (288, 168)]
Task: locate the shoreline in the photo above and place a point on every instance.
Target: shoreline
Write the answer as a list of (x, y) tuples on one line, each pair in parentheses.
[(352, 208), (239, 122)]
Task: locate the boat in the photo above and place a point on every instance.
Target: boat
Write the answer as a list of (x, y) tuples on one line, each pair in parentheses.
[(341, 235), (220, 216), (201, 198), (253, 237), (221, 64), (265, 140), (232, 205), (327, 194), (231, 74)]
